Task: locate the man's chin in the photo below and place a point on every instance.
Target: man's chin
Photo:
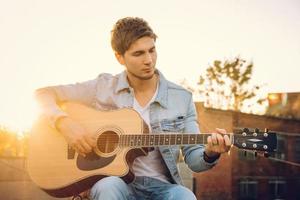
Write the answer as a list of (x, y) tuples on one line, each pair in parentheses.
[(147, 77), (144, 76)]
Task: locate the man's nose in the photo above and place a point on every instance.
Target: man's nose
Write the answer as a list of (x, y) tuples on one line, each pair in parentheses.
[(148, 59)]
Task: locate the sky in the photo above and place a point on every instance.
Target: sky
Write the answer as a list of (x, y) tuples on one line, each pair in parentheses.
[(55, 42)]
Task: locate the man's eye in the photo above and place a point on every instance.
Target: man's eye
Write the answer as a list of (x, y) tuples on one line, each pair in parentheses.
[(137, 54), (152, 50)]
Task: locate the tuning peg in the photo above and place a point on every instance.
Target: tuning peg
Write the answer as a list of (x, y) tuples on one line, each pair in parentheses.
[(256, 130), (245, 130), (266, 130), (255, 154), (245, 153)]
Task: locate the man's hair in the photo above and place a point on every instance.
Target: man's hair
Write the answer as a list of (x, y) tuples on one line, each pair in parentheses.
[(126, 31)]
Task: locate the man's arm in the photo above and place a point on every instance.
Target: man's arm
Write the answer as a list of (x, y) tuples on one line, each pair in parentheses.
[(49, 99), (203, 157)]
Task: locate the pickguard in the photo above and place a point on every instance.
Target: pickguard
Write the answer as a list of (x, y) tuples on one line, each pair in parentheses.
[(93, 161)]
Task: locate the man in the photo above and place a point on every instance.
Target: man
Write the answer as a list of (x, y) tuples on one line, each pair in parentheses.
[(163, 105)]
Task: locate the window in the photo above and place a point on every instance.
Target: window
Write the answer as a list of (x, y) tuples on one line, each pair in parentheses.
[(297, 149), (277, 189), (248, 189)]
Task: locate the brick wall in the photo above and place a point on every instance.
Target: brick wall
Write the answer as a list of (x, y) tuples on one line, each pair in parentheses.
[(222, 182)]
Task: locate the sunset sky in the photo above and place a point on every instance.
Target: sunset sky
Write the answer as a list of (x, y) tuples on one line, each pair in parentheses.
[(53, 42)]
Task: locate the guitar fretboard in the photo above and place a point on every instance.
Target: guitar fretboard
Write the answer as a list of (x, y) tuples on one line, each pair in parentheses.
[(152, 140)]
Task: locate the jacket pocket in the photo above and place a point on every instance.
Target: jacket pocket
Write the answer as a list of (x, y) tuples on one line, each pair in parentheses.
[(173, 125)]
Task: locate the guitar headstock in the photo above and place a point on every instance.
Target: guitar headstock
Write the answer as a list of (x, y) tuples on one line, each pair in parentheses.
[(254, 139)]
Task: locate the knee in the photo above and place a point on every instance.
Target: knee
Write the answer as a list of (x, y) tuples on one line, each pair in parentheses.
[(112, 184), (109, 183), (181, 192)]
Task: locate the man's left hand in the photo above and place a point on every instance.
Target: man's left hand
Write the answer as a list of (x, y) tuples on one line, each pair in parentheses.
[(217, 143)]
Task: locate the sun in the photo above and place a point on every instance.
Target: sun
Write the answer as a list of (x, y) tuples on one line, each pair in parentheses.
[(18, 114)]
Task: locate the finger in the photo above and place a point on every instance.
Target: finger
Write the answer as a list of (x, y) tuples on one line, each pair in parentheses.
[(90, 140), (227, 140), (221, 131), (209, 141), (214, 139), (79, 150), (220, 140), (85, 146)]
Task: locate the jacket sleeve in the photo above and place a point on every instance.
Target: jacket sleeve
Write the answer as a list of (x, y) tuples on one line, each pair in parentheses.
[(49, 98), (193, 155)]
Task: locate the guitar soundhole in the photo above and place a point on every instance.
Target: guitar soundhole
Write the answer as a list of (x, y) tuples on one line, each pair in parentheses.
[(108, 141)]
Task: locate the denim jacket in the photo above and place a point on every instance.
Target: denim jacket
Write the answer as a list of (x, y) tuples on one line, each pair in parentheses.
[(173, 110)]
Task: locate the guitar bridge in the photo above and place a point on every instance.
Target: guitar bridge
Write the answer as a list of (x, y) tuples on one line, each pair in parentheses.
[(70, 153)]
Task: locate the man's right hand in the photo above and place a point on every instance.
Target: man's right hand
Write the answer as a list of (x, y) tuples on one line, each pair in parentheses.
[(76, 135)]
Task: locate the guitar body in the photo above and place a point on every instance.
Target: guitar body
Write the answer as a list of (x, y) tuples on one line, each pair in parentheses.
[(61, 172)]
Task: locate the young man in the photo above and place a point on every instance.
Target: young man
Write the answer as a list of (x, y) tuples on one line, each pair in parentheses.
[(163, 105)]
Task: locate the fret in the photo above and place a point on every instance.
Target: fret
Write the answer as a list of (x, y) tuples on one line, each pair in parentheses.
[(167, 139), (143, 140), (184, 139), (193, 139), (179, 139), (151, 140), (139, 138), (147, 142), (199, 138), (156, 139), (131, 142), (162, 139), (134, 140), (159, 138), (172, 139)]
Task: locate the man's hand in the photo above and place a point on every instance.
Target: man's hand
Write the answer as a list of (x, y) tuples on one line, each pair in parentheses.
[(217, 143), (76, 136)]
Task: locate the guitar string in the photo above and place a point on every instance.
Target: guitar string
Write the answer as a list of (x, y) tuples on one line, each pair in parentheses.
[(185, 138)]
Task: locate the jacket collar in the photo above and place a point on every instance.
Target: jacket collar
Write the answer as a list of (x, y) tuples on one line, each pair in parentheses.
[(162, 94)]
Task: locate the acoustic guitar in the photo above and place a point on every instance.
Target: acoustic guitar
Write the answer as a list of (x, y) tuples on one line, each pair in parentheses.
[(61, 172)]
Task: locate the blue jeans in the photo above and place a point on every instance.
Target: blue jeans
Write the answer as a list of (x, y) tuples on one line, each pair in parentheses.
[(143, 188)]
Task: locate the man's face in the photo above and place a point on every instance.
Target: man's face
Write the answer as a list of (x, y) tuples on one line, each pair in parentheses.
[(140, 58)]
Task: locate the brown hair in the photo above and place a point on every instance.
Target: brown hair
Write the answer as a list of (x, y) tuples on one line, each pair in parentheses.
[(126, 31)]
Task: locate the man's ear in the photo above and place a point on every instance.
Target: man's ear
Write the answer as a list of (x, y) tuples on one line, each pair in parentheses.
[(120, 58)]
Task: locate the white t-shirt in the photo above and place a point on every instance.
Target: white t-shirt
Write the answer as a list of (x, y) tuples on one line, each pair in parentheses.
[(153, 164)]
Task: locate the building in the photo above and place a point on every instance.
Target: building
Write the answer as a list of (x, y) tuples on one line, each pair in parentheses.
[(242, 175)]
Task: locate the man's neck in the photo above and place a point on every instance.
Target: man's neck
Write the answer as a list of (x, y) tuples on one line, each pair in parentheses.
[(142, 86), (143, 89)]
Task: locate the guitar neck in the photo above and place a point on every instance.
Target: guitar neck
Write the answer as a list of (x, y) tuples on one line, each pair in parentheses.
[(154, 140)]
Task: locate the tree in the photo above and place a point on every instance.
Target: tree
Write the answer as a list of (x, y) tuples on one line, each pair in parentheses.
[(11, 145), (226, 86)]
